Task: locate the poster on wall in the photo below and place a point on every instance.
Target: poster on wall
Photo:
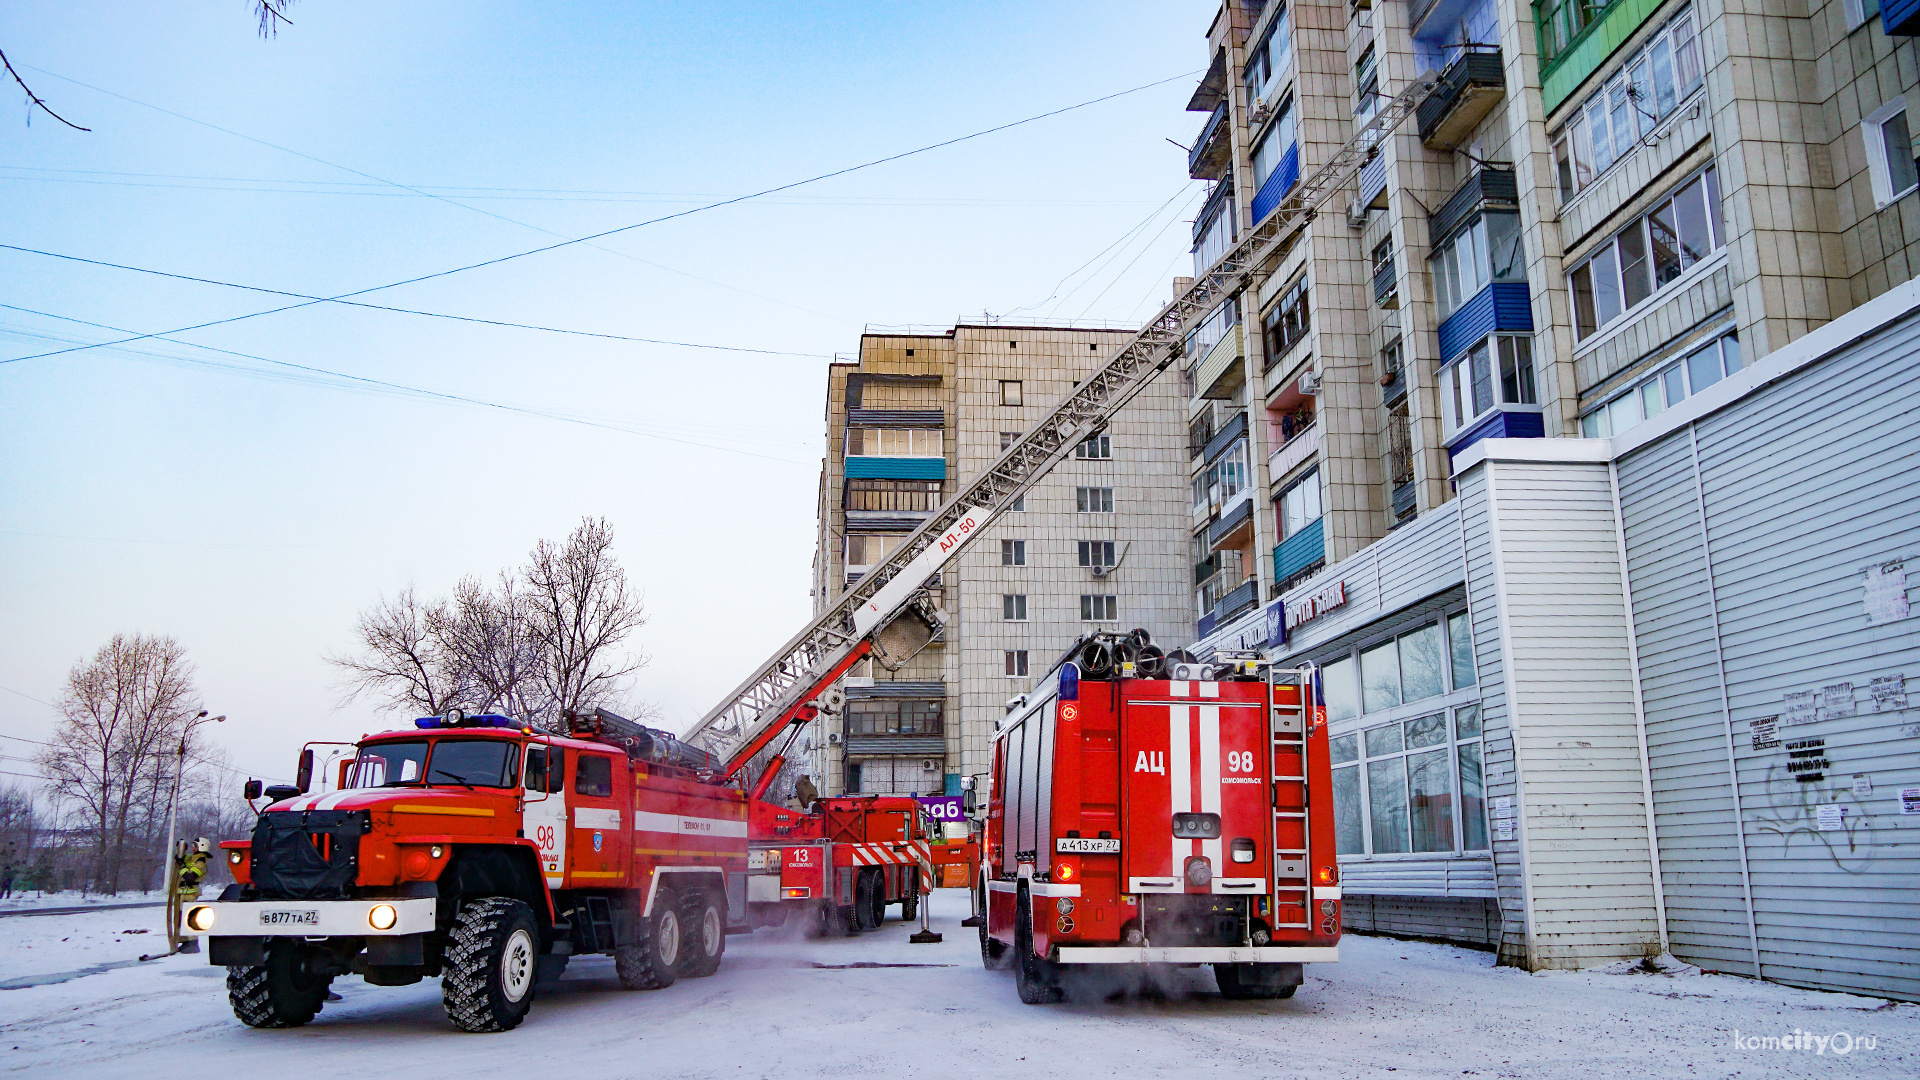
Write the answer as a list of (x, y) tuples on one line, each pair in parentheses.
[(1765, 732), (1887, 593), (1889, 692), (1502, 816)]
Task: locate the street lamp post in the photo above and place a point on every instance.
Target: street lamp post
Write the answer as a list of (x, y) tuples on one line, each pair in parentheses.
[(171, 882)]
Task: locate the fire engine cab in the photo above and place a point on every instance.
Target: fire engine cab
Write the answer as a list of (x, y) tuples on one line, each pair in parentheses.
[(1148, 811)]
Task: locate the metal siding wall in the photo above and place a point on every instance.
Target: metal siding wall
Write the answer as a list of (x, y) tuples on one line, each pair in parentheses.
[(1577, 733), (1490, 662), (1806, 482), (1680, 685)]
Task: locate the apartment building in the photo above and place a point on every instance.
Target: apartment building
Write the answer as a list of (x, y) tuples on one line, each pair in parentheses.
[(1100, 543), (1610, 227)]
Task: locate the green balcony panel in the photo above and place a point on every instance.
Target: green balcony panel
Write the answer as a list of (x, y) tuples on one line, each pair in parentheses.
[(1299, 551), (897, 468), (1562, 75)]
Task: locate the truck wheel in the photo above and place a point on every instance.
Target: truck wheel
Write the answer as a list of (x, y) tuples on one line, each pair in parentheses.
[(652, 962), (1253, 982), (878, 912), (993, 954), (281, 993), (910, 907), (1037, 980), (867, 895), (493, 953), (704, 929)]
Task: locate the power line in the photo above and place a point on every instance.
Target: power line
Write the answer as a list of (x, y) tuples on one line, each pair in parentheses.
[(402, 387), (29, 697), (400, 310), (621, 229), (1124, 237)]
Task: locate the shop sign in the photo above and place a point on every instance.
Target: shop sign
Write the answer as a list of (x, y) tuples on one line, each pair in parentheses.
[(1327, 599)]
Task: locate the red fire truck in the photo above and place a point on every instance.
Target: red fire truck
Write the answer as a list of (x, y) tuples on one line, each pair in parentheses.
[(843, 863), (485, 852), (1161, 820)]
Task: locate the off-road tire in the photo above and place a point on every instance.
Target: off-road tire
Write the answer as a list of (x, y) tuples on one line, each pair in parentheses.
[(910, 907), (703, 923), (877, 913), (279, 993), (867, 889), (492, 960), (1251, 982), (653, 961), (1037, 980)]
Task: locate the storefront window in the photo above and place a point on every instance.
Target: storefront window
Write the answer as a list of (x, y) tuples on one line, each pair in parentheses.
[(1460, 636), (1336, 680)]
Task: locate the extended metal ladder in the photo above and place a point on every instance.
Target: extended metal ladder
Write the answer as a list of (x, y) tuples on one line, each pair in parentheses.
[(809, 662), (1292, 861)]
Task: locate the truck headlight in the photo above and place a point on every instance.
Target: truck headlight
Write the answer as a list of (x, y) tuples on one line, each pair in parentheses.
[(233, 857), (382, 917), (201, 918)]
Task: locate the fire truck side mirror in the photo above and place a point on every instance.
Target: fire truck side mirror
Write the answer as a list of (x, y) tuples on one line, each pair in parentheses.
[(969, 801), (251, 791), (303, 777)]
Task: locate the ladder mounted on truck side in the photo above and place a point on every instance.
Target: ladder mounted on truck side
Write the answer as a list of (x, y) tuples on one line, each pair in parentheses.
[(780, 691)]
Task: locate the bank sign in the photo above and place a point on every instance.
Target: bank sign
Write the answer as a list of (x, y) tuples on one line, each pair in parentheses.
[(1311, 608), (944, 808)]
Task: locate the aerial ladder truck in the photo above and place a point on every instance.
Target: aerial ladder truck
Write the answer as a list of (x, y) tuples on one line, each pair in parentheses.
[(890, 613)]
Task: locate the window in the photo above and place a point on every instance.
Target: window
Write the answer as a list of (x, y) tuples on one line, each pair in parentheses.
[(593, 776), (1268, 61), (486, 763), (1016, 663), (1210, 331), (1273, 146), (871, 549), (1013, 607), (1336, 683), (1096, 553), (1287, 321), (1858, 12), (1487, 251), (1097, 448), (1411, 786), (385, 764), (1460, 637), (546, 769), (1650, 253), (894, 716), (1008, 438), (1384, 279), (915, 496), (1013, 553), (1890, 163), (1215, 235), (1642, 93), (1665, 388), (894, 442), (1366, 76), (1498, 371), (1019, 505), (1010, 392), (1299, 505), (1224, 478), (1099, 608), (1093, 500)]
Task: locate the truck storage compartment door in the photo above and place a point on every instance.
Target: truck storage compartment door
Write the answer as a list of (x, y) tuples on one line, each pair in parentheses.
[(1195, 775)]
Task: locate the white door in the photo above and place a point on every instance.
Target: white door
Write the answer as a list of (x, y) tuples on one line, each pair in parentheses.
[(545, 819)]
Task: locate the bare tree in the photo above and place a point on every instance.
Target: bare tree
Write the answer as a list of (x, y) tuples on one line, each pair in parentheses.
[(402, 659), (544, 640), (582, 610), (126, 710)]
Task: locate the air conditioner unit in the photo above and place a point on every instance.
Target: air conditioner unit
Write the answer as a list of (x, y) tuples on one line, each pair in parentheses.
[(1356, 214), (928, 765), (1310, 384), (833, 738), (1261, 110)]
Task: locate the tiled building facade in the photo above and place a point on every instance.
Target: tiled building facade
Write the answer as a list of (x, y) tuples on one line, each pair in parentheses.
[(1100, 543)]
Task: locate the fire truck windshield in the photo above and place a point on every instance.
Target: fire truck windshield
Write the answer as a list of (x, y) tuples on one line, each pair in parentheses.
[(456, 762)]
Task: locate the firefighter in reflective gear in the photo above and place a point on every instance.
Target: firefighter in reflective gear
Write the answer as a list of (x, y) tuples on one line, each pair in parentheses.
[(193, 869), (804, 793)]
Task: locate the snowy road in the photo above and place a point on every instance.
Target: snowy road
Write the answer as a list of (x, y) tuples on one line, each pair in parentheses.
[(1418, 1010)]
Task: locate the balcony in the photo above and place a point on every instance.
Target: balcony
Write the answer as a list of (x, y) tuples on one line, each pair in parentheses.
[(1285, 175), (1386, 284), (1214, 376), (1294, 453), (1503, 305), (1233, 604), (1212, 154), (1469, 89), (1234, 526), (1489, 188), (896, 468), (1373, 183), (1502, 423), (1900, 18), (1232, 430), (1300, 552)]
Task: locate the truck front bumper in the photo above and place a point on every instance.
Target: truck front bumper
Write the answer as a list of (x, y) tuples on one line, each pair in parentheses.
[(1199, 954), (309, 918)]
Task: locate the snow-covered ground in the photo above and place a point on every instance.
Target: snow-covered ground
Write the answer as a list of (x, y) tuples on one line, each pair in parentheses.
[(31, 900), (792, 1009)]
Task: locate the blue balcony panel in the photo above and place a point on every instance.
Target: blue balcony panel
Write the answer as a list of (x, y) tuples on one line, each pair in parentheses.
[(1501, 424), (1299, 551), (1503, 305), (1205, 626), (1900, 18), (897, 468), (1277, 185)]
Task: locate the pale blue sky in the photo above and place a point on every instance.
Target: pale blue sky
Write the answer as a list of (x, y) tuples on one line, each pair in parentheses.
[(252, 510)]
